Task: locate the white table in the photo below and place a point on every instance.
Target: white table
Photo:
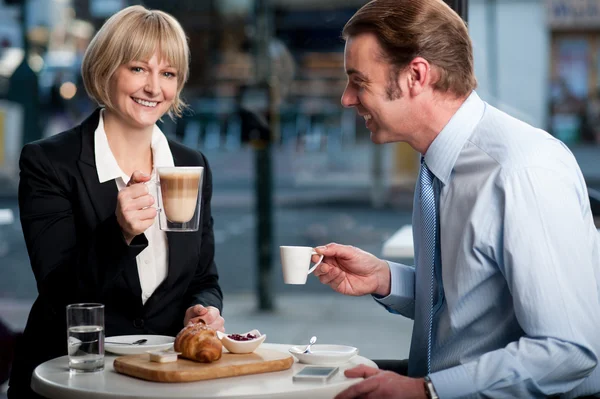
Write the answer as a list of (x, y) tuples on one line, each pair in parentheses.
[(53, 380), (6, 216)]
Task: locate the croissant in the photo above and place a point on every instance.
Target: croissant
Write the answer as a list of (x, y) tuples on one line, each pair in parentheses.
[(198, 342)]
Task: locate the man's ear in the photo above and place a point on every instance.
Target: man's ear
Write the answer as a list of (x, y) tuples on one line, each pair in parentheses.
[(419, 75)]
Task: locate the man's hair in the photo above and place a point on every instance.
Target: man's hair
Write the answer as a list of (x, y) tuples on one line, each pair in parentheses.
[(429, 29), (134, 34)]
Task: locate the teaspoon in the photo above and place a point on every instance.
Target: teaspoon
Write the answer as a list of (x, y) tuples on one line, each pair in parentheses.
[(138, 342), (312, 341)]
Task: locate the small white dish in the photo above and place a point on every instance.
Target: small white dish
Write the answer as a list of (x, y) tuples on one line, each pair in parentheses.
[(249, 346), (324, 354), (153, 343)]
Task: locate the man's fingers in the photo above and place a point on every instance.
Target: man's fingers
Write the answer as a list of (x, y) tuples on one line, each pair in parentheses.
[(322, 269), (357, 390), (339, 279), (361, 371), (337, 250), (331, 275)]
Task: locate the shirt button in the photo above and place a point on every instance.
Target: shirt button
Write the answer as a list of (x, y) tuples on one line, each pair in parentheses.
[(138, 323), (146, 261)]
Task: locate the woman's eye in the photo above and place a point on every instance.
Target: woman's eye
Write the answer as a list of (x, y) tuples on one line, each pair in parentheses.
[(169, 74), (136, 69)]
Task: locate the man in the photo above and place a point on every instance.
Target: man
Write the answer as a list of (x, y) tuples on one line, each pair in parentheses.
[(505, 294)]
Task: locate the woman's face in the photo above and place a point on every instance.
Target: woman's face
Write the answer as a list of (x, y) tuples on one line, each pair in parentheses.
[(143, 91)]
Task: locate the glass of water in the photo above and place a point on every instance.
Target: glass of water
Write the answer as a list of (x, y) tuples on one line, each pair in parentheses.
[(85, 329)]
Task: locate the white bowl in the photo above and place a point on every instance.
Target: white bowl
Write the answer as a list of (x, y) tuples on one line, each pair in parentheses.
[(234, 346), (324, 354)]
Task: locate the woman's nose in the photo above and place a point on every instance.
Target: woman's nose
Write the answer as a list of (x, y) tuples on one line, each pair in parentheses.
[(152, 85)]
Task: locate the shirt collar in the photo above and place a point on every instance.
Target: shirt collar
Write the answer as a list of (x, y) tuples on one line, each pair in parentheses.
[(106, 164), (445, 148)]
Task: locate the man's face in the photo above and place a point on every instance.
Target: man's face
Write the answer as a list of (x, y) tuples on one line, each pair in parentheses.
[(376, 90)]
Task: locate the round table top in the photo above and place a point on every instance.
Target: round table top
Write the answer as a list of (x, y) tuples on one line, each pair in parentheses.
[(52, 379)]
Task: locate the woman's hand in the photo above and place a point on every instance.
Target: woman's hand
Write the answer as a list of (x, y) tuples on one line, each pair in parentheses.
[(135, 212), (209, 315), (352, 271)]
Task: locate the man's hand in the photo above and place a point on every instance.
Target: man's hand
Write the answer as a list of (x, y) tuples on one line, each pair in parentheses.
[(352, 271), (380, 384), (135, 212), (209, 315)]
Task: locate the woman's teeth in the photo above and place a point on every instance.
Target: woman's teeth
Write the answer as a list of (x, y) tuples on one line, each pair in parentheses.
[(145, 103)]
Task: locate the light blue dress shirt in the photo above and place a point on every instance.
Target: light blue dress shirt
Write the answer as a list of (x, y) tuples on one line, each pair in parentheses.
[(518, 307)]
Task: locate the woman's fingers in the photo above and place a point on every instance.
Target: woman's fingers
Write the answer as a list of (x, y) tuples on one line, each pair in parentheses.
[(138, 177), (140, 203)]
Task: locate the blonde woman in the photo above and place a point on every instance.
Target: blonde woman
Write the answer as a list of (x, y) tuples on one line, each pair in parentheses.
[(87, 217)]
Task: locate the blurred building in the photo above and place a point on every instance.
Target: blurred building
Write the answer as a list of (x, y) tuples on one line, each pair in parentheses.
[(575, 69), (536, 59)]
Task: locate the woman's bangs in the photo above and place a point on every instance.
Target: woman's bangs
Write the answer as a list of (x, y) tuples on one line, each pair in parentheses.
[(154, 36), (141, 44)]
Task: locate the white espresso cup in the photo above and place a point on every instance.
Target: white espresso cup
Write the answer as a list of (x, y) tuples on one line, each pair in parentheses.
[(295, 262)]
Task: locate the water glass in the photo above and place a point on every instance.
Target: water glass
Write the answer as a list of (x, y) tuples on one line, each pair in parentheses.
[(85, 330)]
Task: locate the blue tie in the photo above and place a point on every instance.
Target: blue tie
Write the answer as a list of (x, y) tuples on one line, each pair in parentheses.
[(419, 363)]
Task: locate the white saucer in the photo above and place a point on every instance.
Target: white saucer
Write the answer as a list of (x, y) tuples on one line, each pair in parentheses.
[(324, 354), (154, 343)]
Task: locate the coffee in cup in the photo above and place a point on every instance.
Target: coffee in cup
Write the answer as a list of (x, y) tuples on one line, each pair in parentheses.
[(179, 202), (295, 262)]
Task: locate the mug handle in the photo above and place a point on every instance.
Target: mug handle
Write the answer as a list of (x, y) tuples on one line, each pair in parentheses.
[(156, 182), (312, 269)]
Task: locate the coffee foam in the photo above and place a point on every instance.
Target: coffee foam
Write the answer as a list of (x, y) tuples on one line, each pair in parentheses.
[(180, 171)]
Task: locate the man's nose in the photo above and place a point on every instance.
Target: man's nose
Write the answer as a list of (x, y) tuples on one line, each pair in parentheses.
[(349, 97)]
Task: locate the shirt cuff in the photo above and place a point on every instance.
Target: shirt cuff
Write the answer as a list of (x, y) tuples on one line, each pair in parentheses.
[(402, 287), (455, 382)]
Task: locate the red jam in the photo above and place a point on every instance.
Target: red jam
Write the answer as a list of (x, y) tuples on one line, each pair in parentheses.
[(238, 337)]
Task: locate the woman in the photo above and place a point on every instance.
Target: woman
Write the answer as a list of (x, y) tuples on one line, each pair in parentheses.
[(87, 216)]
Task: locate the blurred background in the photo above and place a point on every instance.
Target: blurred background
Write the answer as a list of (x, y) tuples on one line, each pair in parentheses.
[(290, 165)]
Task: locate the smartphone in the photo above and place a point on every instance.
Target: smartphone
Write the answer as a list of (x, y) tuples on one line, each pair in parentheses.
[(315, 374)]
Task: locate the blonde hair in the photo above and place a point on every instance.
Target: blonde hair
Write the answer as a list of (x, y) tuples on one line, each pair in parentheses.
[(134, 34), (426, 28)]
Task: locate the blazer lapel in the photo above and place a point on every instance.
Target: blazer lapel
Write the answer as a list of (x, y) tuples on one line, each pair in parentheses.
[(103, 196)]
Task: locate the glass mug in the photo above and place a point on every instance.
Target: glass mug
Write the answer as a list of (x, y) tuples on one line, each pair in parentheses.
[(85, 342), (179, 197)]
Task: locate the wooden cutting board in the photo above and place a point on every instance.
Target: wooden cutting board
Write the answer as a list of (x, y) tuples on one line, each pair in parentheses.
[(183, 370)]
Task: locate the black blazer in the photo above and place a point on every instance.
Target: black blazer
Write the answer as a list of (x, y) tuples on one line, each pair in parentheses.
[(78, 253)]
